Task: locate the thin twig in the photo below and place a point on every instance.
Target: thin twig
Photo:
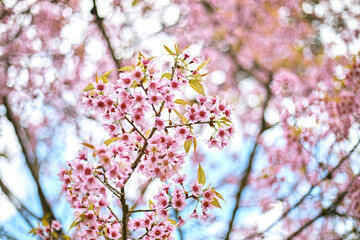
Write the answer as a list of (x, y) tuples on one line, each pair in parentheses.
[(142, 210), (136, 129), (112, 212), (309, 191)]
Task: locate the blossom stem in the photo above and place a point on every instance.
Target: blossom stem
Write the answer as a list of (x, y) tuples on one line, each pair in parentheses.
[(136, 129)]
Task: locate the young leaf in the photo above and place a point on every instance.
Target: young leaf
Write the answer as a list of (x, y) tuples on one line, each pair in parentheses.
[(105, 75), (183, 119), (180, 101), (201, 176), (89, 87), (224, 122), (147, 133), (111, 140), (168, 50), (184, 49), (166, 75), (215, 202), (203, 75), (91, 207), (194, 139), (197, 86), (134, 3), (150, 204), (197, 77), (203, 64), (32, 231), (75, 223), (219, 196), (126, 68), (226, 119), (44, 220), (173, 222), (187, 145), (177, 49), (88, 145), (140, 55), (66, 237)]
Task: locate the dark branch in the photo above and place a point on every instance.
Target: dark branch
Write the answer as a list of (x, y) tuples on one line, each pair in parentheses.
[(30, 158), (23, 211), (99, 23), (244, 180)]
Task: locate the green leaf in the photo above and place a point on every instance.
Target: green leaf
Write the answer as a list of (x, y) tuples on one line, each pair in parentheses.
[(173, 222), (55, 235), (184, 49), (197, 77), (140, 56), (226, 119), (215, 202), (201, 175), (183, 119), (195, 144), (134, 3), (66, 237), (177, 49), (75, 223), (111, 140), (150, 204), (105, 75), (89, 87), (168, 50), (187, 145), (223, 122), (166, 75), (219, 196), (180, 101), (88, 145), (33, 231), (126, 68), (91, 207), (197, 86), (203, 64), (44, 220)]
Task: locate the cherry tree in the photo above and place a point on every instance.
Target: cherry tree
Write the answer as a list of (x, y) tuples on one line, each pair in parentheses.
[(49, 51), (294, 92), (150, 135), (296, 103)]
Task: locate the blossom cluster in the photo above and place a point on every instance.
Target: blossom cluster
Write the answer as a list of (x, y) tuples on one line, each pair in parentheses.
[(152, 133), (342, 103), (176, 199), (48, 230)]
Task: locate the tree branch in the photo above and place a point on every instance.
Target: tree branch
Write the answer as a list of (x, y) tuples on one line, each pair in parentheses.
[(99, 23), (244, 180), (23, 211), (125, 211), (302, 199), (29, 158), (323, 213)]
